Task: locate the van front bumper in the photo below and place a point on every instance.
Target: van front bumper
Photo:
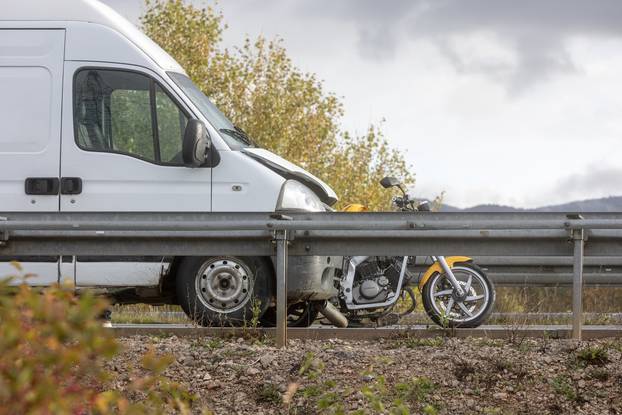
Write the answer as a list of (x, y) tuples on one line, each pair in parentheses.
[(311, 277)]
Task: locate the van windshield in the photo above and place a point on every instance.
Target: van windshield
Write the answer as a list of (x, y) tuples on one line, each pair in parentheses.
[(233, 135)]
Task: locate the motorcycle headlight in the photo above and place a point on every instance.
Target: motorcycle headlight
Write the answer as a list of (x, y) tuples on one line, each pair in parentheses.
[(296, 196)]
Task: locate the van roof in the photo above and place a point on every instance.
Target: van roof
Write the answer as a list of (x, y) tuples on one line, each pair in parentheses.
[(59, 10), (88, 11)]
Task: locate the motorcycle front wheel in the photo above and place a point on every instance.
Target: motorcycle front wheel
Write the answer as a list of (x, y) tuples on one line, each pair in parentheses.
[(447, 309)]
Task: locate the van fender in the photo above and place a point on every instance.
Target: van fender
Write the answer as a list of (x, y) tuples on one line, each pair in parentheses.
[(436, 268)]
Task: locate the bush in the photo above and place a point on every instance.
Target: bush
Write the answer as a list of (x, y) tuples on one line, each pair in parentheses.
[(52, 354), (593, 355)]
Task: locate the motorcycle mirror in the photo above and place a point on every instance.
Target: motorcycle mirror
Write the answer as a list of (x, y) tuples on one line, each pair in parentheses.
[(424, 206), (389, 182)]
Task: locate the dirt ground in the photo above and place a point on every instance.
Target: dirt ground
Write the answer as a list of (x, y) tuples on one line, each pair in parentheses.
[(397, 376)]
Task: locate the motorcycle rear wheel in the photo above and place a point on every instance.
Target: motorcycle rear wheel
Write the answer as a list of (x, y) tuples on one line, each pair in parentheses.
[(446, 309)]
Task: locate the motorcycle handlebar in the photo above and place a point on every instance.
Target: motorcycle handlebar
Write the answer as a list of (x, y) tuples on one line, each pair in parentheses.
[(405, 203)]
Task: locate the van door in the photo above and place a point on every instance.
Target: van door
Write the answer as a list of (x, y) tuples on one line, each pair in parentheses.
[(124, 154), (31, 84)]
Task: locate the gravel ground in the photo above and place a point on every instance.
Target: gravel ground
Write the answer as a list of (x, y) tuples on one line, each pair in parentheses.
[(405, 375)]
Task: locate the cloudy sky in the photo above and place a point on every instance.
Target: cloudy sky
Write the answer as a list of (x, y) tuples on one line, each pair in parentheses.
[(493, 101)]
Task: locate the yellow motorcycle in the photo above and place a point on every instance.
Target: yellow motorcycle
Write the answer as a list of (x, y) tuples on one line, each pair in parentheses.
[(454, 290)]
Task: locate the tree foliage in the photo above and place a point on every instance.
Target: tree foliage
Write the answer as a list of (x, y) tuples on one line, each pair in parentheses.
[(282, 108)]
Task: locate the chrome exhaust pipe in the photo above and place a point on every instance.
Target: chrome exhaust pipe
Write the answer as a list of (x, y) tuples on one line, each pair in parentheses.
[(332, 314)]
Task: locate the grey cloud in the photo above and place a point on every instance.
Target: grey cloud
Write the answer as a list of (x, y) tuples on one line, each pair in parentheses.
[(359, 10), (377, 23), (551, 17), (597, 180), (538, 59), (376, 43), (536, 30)]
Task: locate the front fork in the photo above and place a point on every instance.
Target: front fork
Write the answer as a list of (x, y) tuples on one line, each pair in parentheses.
[(450, 275)]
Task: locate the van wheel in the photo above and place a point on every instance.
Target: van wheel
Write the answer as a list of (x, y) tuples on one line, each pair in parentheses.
[(224, 290)]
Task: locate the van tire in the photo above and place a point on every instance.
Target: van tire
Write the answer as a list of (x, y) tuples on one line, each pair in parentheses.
[(224, 290)]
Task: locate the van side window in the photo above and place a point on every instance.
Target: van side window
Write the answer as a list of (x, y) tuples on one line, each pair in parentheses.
[(171, 127), (125, 112), (130, 119)]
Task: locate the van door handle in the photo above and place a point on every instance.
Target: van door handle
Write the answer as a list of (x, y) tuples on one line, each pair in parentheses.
[(42, 186), (70, 186)]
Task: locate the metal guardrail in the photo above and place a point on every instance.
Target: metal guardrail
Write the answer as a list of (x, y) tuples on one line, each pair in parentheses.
[(541, 271), (394, 233)]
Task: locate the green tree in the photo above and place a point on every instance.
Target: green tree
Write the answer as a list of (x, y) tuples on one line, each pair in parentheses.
[(284, 109)]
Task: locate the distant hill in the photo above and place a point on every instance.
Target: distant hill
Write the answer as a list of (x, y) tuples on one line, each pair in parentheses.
[(605, 204)]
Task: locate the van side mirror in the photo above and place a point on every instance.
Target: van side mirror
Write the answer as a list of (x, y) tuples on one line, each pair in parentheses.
[(389, 182), (196, 144)]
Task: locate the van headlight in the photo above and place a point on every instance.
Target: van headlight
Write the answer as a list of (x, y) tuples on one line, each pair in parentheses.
[(296, 196)]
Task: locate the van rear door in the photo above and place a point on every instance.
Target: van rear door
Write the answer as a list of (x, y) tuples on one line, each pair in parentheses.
[(31, 80)]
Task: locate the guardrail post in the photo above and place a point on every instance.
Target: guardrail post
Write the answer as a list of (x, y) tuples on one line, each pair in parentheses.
[(4, 235), (281, 288), (578, 239)]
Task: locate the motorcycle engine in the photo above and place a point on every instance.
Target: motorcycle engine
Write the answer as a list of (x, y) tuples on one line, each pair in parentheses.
[(374, 280)]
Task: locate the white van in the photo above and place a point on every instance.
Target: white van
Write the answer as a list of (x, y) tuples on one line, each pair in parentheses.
[(95, 117)]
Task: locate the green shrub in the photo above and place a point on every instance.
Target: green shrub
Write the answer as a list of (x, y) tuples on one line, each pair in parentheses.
[(269, 393), (52, 354), (593, 355), (415, 342), (562, 385), (416, 390)]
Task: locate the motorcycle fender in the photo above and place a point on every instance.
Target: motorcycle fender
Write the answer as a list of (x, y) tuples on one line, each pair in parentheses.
[(355, 207), (436, 267)]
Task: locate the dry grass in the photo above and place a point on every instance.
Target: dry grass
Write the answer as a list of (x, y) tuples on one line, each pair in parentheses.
[(599, 303), (145, 313), (557, 299)]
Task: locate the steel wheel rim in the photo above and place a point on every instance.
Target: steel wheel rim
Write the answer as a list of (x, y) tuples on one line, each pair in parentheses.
[(224, 285), (476, 301)]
